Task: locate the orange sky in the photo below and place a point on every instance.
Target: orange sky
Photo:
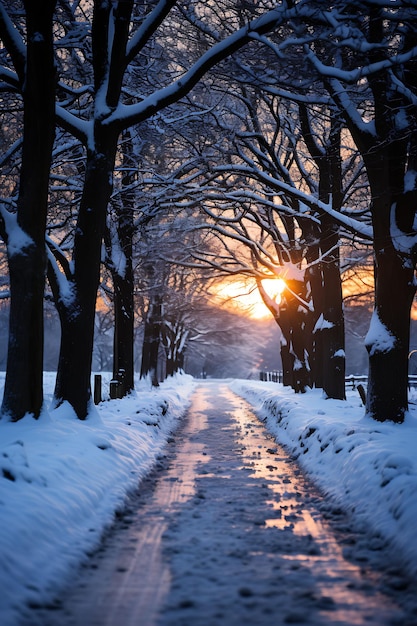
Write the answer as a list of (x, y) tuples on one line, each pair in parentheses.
[(244, 298), (242, 295)]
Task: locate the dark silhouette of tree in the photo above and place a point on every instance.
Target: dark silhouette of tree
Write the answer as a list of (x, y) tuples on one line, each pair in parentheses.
[(25, 230)]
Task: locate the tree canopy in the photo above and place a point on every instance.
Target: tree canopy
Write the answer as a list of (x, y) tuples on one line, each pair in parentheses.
[(286, 128)]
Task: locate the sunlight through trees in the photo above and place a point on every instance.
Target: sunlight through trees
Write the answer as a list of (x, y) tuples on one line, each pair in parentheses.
[(192, 142)]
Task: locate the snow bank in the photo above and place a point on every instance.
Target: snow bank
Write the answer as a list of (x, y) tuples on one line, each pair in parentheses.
[(62, 480)]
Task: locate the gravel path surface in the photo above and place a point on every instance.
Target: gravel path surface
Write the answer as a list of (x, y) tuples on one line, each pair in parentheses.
[(227, 532)]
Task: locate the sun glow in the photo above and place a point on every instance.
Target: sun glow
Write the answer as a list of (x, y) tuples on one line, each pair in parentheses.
[(244, 297), (274, 287)]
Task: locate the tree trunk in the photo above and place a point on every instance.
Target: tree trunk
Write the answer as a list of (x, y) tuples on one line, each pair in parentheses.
[(180, 361), (174, 338), (301, 378), (151, 340), (334, 358), (23, 391), (122, 273), (287, 361), (73, 383), (389, 153), (123, 338), (169, 341), (333, 327), (170, 367), (314, 278), (110, 32), (327, 291), (333, 333), (388, 339)]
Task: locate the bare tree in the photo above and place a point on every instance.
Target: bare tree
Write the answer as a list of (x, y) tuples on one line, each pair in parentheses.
[(25, 229), (258, 197), (99, 130), (381, 114)]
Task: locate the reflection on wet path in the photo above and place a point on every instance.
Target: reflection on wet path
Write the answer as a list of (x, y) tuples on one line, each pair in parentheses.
[(252, 547), (336, 579), (226, 532), (126, 580)]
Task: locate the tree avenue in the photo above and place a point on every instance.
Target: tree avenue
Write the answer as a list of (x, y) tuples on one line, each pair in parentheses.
[(113, 47), (325, 83)]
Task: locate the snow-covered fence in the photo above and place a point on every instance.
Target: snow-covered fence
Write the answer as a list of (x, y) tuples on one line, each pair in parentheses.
[(275, 376), (353, 380), (412, 381)]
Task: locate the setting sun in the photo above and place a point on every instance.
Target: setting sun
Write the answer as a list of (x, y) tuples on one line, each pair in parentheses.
[(244, 296), (274, 288)]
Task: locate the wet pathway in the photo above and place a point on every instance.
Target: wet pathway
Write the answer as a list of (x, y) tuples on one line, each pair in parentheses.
[(226, 532)]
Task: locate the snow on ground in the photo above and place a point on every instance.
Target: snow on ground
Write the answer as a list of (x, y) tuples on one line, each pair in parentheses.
[(62, 480), (366, 467)]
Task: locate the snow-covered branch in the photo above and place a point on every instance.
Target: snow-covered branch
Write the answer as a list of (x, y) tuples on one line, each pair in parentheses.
[(126, 115), (13, 43)]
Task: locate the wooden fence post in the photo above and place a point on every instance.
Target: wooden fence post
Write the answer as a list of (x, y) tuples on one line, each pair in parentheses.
[(97, 388), (114, 389)]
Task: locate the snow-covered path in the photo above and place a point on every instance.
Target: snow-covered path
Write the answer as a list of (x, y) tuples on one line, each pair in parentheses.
[(227, 532)]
